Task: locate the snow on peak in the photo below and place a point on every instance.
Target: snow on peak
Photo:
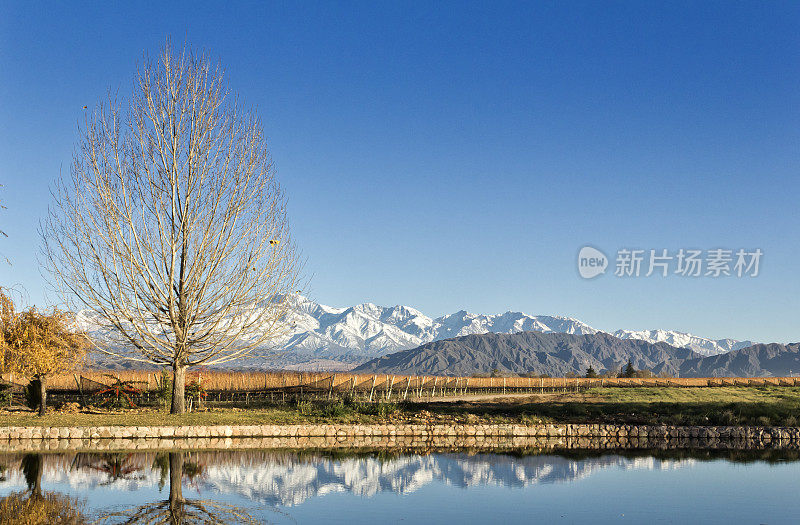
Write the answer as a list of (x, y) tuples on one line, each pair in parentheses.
[(366, 331), (701, 345), (353, 335)]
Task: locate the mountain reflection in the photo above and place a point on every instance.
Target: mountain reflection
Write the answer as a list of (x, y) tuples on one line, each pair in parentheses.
[(296, 480), (289, 478)]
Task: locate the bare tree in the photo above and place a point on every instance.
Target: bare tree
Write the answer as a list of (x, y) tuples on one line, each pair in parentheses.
[(2, 233), (171, 229), (2, 207)]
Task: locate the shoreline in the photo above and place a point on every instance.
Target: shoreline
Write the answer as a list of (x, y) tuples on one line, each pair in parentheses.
[(432, 436)]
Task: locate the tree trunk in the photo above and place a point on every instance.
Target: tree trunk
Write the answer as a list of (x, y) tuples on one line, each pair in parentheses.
[(176, 500), (42, 395), (32, 469), (178, 389)]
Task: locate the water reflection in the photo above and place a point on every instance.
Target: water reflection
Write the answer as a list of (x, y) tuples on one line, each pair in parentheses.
[(234, 486), (178, 510), (35, 506)]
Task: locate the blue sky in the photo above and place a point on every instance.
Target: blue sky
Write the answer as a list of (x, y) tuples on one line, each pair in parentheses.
[(458, 155)]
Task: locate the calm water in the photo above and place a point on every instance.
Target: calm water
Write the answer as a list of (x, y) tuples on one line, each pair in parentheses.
[(315, 487)]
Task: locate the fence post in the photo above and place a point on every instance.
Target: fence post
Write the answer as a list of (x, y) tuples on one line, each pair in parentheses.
[(80, 389), (371, 390), (333, 380), (504, 386)]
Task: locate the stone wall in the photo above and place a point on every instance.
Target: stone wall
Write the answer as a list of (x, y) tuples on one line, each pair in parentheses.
[(417, 436)]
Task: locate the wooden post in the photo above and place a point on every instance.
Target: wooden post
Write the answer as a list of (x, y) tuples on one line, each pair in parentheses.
[(433, 390), (330, 392), (371, 390), (504, 386), (80, 389), (389, 393), (408, 383)]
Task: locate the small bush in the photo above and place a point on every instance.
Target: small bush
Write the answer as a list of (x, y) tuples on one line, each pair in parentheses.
[(5, 395), (195, 391), (305, 407), (763, 421), (337, 409), (386, 409), (728, 418), (120, 393), (164, 390)]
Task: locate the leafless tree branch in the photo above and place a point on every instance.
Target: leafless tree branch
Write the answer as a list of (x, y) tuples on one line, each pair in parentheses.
[(171, 228)]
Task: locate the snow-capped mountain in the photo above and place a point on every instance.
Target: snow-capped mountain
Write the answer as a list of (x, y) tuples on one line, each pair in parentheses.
[(328, 338), (321, 335), (701, 345), (324, 336)]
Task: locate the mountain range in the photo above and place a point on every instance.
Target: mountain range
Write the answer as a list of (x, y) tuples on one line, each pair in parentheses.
[(322, 337), (558, 355), (760, 360), (553, 354), (327, 337)]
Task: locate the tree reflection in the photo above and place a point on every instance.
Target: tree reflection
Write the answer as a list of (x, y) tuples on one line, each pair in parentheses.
[(38, 507), (117, 466), (178, 510)]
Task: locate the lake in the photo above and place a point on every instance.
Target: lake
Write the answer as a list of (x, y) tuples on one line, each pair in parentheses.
[(386, 487)]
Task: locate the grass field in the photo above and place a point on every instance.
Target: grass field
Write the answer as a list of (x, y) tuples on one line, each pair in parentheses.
[(777, 406)]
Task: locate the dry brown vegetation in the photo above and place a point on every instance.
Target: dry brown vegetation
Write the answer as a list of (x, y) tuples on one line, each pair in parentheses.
[(229, 381), (43, 509)]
